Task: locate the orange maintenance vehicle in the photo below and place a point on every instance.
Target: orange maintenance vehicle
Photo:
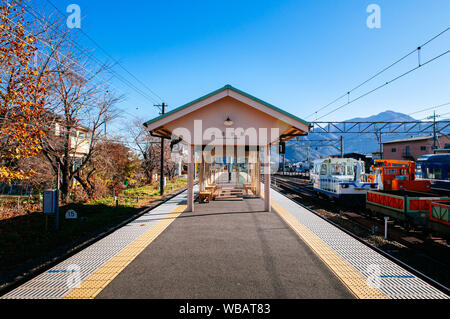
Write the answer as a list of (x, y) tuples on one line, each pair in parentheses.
[(395, 175), (406, 199)]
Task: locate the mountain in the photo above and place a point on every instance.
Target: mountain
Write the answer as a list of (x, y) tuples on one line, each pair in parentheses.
[(359, 143)]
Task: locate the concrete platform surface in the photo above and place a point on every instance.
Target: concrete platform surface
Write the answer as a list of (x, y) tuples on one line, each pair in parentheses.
[(227, 250)]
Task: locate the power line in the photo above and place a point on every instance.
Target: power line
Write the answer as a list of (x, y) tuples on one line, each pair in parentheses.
[(430, 108), (90, 56), (82, 67), (385, 84), (418, 49), (437, 115), (109, 55)]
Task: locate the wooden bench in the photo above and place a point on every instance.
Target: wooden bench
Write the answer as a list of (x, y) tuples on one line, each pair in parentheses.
[(247, 187), (212, 189), (204, 197)]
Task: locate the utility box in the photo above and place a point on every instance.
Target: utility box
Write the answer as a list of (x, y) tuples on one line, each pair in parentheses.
[(49, 202)]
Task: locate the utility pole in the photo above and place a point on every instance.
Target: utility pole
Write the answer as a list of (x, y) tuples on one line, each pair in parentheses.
[(378, 135), (307, 154), (435, 139), (342, 147), (161, 173)]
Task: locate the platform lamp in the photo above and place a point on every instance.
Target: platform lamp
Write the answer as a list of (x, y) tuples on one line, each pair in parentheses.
[(228, 122)]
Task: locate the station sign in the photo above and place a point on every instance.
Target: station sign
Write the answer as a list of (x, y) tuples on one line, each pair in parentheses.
[(71, 214)]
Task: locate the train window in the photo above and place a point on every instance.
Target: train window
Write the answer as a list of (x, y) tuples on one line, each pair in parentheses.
[(437, 173), (390, 171), (337, 169), (350, 170), (434, 173), (323, 169)]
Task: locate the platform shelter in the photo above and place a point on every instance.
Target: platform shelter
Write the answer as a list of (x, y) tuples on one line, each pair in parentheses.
[(232, 141)]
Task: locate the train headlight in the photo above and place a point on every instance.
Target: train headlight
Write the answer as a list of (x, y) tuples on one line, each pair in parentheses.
[(344, 185)]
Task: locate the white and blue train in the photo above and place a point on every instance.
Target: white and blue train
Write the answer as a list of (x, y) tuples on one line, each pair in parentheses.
[(341, 178)]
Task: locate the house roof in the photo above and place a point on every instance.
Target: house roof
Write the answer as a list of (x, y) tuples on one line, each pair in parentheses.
[(60, 119), (226, 87), (411, 139)]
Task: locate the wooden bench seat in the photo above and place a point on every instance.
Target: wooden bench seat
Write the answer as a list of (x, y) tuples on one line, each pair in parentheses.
[(205, 197)]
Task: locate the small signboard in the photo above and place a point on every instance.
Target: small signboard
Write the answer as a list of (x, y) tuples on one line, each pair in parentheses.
[(71, 214), (282, 148), (49, 202)]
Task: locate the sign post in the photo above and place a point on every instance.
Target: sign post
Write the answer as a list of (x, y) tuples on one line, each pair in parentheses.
[(57, 198), (386, 219)]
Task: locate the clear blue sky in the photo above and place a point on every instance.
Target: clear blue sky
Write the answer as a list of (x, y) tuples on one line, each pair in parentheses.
[(298, 55)]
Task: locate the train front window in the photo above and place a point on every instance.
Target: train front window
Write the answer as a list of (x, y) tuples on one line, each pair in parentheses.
[(337, 169), (418, 169), (437, 173), (323, 169), (350, 170), (434, 173)]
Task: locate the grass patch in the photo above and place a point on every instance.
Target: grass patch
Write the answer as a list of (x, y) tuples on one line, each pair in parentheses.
[(26, 238)]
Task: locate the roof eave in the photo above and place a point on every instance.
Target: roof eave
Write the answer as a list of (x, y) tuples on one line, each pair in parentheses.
[(227, 87)]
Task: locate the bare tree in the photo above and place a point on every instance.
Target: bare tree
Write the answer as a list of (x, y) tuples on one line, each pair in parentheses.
[(80, 102), (148, 146)]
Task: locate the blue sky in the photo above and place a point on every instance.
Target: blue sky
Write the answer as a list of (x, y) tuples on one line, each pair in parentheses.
[(298, 55)]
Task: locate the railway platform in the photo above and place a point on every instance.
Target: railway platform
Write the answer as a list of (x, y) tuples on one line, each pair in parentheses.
[(227, 249)]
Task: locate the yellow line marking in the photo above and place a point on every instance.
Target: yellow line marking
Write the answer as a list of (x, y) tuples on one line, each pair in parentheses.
[(96, 282), (349, 276)]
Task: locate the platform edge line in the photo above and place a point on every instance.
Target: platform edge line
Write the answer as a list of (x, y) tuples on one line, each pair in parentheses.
[(90, 287)]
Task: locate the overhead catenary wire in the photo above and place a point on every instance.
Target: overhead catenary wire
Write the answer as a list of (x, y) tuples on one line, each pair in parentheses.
[(437, 115), (430, 108), (417, 49), (384, 84)]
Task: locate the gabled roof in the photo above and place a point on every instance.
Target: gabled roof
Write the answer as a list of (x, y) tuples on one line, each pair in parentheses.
[(227, 87)]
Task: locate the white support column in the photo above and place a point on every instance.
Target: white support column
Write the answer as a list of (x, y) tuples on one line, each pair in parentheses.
[(201, 182), (267, 205), (258, 174), (190, 190)]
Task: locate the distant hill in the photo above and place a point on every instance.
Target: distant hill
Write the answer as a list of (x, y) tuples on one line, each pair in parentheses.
[(358, 143)]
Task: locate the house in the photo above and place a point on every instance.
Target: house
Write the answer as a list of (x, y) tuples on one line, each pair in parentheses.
[(414, 147), (79, 141), (79, 135)]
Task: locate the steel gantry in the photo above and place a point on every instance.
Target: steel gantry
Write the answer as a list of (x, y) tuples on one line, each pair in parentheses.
[(379, 128), (400, 127)]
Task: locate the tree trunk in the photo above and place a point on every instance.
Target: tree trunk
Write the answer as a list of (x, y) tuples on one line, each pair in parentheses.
[(65, 171), (65, 185)]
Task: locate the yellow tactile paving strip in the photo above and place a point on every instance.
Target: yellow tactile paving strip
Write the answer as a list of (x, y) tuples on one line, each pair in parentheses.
[(96, 282), (351, 278)]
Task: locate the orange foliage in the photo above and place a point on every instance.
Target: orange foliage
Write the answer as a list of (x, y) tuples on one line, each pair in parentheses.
[(22, 93)]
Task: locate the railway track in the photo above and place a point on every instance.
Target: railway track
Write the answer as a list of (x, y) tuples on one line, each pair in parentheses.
[(428, 255)]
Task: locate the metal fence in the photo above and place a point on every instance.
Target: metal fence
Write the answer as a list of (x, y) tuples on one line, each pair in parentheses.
[(11, 189)]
